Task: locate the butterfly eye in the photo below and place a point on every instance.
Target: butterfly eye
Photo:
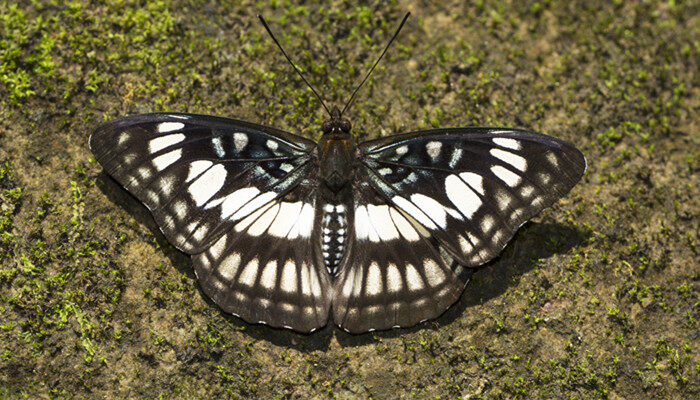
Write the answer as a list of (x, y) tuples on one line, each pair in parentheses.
[(327, 126), (345, 125)]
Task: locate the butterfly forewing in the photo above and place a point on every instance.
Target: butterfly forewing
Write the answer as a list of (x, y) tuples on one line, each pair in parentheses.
[(472, 188), (394, 273), (199, 175)]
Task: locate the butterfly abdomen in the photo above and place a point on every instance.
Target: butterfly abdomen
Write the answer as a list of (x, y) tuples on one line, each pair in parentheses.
[(334, 227)]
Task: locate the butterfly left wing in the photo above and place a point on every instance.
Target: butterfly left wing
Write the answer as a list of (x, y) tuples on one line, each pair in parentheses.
[(239, 197), (266, 269)]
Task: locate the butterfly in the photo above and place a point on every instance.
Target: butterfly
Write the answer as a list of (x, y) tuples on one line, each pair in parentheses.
[(291, 233)]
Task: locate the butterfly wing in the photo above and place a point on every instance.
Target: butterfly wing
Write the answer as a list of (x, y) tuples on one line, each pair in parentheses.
[(429, 205), (266, 269), (193, 171), (394, 274), (472, 188), (236, 196)]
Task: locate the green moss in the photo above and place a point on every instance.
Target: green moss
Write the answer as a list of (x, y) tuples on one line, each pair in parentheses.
[(578, 306)]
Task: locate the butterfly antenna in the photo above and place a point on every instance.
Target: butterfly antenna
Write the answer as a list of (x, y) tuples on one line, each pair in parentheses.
[(377, 62), (267, 28)]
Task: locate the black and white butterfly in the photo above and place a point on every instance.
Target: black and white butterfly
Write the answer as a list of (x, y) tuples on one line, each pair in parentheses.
[(288, 232)]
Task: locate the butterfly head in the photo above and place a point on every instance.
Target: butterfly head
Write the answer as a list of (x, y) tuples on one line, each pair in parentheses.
[(336, 124)]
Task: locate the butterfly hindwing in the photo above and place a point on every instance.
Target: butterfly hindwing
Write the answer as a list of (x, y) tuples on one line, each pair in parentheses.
[(393, 274), (199, 175), (265, 269), (472, 188)]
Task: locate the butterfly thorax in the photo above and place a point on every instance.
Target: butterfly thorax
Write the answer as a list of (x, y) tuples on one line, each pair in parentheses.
[(336, 152)]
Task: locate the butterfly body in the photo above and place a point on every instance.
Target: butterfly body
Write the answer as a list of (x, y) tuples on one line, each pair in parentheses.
[(289, 232)]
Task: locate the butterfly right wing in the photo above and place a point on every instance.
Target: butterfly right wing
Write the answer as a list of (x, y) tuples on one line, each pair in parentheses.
[(472, 188), (394, 274)]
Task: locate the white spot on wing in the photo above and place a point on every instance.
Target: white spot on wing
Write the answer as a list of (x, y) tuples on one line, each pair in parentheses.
[(240, 141), (196, 168), (414, 212), (413, 279), (401, 150), (235, 200), (403, 226), (163, 161), (254, 204), (306, 220), (513, 159), (180, 209), (363, 228), (433, 273), (261, 224), (432, 208), (465, 245), (503, 200), (507, 143), (487, 224), (170, 126), (268, 277), (286, 167), (527, 191), (162, 142), (393, 279), (130, 158), (374, 280), (249, 273), (288, 283), (456, 156), (272, 145), (208, 184), (123, 138), (200, 233), (305, 281), (218, 145), (218, 248), (475, 181), (315, 283), (144, 173), (553, 159), (229, 266), (167, 185), (381, 220), (433, 149), (245, 222), (286, 218), (462, 196), (507, 176)]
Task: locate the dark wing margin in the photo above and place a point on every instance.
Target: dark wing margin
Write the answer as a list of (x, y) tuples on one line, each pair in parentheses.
[(234, 195), (393, 274), (472, 188)]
